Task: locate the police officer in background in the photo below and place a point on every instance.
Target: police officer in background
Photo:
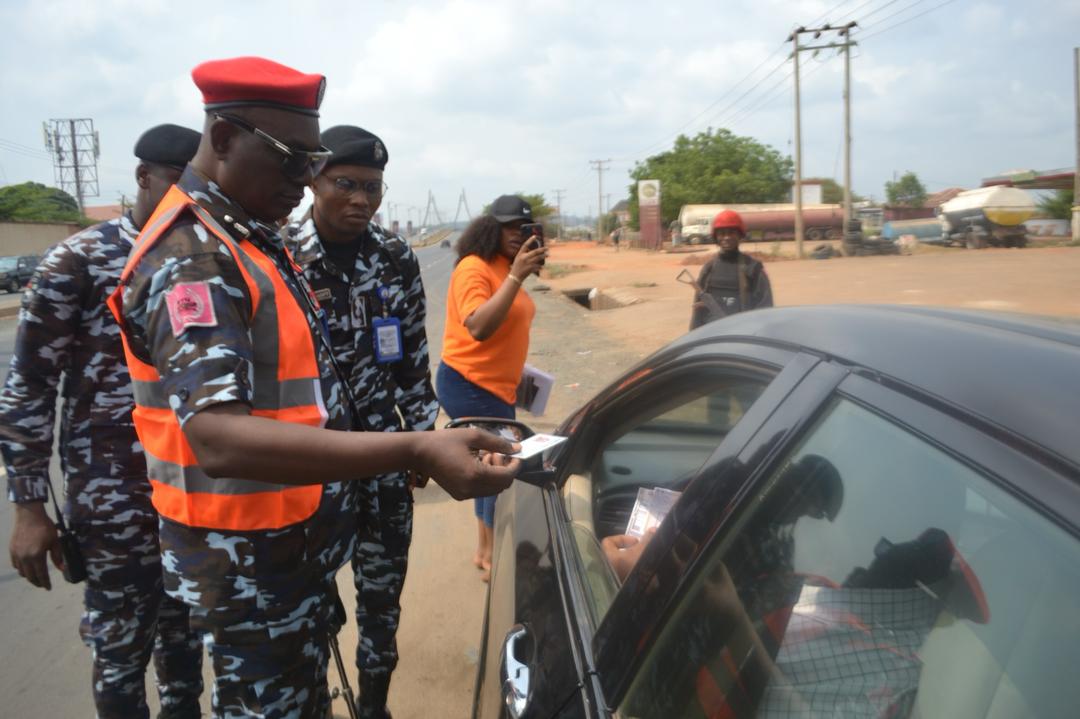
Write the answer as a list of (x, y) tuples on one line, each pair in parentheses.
[(369, 282), (237, 399), (736, 281), (67, 335)]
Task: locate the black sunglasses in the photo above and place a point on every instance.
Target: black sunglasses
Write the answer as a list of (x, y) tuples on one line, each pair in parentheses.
[(374, 189), (294, 163)]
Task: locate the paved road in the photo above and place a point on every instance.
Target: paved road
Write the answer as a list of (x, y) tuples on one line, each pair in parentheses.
[(46, 672)]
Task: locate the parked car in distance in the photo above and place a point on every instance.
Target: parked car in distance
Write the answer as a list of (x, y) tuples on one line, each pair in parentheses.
[(445, 242), (878, 515), (16, 270)]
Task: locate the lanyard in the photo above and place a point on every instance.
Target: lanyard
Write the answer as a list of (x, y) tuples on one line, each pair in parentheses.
[(318, 312)]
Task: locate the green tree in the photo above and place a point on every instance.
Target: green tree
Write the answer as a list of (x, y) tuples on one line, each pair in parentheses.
[(713, 167), (908, 191), (1058, 206), (34, 202)]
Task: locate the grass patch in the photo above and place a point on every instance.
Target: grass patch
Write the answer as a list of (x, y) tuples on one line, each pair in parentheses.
[(642, 284), (555, 270)]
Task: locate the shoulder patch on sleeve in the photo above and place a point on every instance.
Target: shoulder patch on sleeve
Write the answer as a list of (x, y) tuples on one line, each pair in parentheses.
[(190, 305)]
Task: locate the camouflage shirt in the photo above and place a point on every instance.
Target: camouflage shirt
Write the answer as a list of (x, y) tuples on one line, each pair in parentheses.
[(68, 341), (385, 282), (206, 366)]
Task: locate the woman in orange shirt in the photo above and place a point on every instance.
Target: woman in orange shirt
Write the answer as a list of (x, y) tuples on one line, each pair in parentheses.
[(486, 339)]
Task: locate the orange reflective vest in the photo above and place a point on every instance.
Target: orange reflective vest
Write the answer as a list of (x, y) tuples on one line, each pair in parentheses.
[(285, 387)]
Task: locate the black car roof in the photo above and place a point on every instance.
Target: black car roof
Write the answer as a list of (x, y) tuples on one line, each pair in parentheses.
[(1020, 372)]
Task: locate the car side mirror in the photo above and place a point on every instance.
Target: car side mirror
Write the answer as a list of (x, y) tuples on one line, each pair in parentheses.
[(509, 429), (532, 469)]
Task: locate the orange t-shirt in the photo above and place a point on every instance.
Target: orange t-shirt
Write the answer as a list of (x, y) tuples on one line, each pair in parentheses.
[(496, 363)]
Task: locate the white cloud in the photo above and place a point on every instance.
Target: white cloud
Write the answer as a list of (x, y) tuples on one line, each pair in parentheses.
[(498, 96)]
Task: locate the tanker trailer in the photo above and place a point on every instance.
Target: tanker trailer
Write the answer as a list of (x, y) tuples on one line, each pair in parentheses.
[(764, 221), (777, 222), (991, 216)]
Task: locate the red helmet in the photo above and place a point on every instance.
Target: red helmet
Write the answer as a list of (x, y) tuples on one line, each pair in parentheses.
[(729, 218)]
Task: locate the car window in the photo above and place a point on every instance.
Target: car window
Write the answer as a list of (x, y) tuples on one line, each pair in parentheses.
[(659, 442), (7, 263), (873, 574)]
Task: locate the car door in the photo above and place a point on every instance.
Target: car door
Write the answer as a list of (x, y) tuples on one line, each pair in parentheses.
[(868, 552), (550, 582)]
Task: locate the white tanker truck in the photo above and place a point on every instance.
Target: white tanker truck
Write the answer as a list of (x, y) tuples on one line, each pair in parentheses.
[(988, 216)]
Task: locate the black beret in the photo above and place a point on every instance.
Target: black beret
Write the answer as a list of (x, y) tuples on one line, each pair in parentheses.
[(355, 146), (168, 145)]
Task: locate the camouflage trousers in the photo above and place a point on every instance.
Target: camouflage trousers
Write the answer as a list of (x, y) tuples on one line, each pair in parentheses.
[(384, 523), (128, 618), (260, 599)]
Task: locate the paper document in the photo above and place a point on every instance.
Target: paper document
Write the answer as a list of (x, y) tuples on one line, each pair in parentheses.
[(651, 507), (534, 389), (536, 444)]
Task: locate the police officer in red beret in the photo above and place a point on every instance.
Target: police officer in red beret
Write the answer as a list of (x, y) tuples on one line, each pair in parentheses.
[(237, 399)]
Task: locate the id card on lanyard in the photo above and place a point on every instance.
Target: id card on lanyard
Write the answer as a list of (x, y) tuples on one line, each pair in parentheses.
[(386, 332)]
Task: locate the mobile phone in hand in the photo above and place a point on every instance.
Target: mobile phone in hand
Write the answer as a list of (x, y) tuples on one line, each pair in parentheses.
[(533, 230)]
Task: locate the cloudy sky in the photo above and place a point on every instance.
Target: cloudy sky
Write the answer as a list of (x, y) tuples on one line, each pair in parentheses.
[(493, 97)]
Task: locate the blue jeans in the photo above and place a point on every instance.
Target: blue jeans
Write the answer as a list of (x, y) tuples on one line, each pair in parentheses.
[(461, 398)]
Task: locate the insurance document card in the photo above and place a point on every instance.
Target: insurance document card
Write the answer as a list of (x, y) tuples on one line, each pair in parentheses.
[(538, 443)]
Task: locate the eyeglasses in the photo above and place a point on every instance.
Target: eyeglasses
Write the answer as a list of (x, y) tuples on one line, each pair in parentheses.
[(295, 163), (374, 189)]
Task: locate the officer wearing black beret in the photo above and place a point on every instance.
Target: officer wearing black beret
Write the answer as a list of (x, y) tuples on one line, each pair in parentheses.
[(369, 281), (67, 333), (169, 145)]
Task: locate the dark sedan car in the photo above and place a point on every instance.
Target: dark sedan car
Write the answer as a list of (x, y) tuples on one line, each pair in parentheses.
[(879, 515)]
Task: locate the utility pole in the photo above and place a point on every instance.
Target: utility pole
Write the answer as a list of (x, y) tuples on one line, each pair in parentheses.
[(798, 149), (845, 32), (558, 209), (1076, 172), (75, 148), (600, 166)]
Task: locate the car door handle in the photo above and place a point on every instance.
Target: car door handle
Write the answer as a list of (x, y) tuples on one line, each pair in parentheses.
[(515, 673)]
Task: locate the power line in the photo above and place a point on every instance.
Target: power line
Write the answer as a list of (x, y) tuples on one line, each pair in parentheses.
[(872, 13), (909, 19), (25, 152), (713, 104), (734, 105), (831, 10), (20, 146)]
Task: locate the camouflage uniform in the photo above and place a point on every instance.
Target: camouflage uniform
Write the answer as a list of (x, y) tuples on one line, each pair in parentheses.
[(260, 596), (65, 329), (385, 282)]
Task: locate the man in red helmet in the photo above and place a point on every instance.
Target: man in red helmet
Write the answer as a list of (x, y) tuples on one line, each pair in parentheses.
[(735, 280)]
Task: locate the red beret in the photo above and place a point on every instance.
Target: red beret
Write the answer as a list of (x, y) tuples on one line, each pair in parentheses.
[(258, 82)]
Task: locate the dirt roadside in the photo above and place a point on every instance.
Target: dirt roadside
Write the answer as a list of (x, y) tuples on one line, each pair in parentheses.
[(443, 600), (1042, 281)]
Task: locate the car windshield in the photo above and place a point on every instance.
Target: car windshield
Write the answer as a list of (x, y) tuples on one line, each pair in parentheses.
[(874, 575)]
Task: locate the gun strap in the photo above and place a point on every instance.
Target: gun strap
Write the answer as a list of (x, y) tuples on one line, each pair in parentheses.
[(61, 525)]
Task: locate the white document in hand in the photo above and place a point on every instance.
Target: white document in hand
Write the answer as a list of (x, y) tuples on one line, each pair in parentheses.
[(651, 507), (538, 443)]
